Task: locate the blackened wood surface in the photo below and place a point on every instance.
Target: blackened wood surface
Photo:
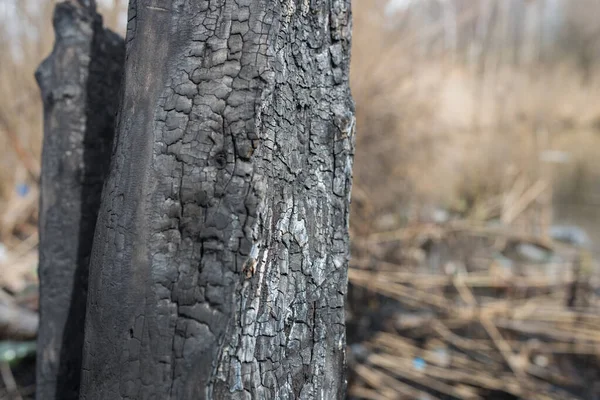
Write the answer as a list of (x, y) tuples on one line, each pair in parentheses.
[(219, 265), (80, 83)]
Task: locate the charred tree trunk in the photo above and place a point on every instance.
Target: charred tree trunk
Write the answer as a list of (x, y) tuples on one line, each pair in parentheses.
[(219, 265), (79, 82)]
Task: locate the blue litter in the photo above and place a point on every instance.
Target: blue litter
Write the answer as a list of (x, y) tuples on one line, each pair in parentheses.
[(570, 234), (11, 352), (22, 189), (419, 364)]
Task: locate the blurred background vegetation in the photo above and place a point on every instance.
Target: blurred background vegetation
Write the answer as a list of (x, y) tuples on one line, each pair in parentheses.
[(459, 101), (479, 112)]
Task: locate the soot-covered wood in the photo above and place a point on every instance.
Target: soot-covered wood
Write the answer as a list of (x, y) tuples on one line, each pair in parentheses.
[(219, 262), (79, 83)]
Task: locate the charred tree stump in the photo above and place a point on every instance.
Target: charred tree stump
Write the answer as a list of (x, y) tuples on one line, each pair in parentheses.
[(219, 264), (79, 83)]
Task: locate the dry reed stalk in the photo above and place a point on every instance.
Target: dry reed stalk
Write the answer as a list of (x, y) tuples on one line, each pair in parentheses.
[(553, 347), (492, 330), (545, 330), (399, 291), (502, 346), (473, 280), (421, 231), (401, 347), (370, 377), (458, 341), (550, 376), (479, 379), (387, 385), (464, 292), (9, 381), (525, 200), (513, 194), (406, 371), (486, 231), (364, 393)]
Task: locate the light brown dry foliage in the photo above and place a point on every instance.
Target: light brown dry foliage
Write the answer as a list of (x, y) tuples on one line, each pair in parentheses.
[(460, 124)]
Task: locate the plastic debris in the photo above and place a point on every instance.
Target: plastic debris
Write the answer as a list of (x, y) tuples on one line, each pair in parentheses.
[(22, 189), (12, 352), (419, 364)]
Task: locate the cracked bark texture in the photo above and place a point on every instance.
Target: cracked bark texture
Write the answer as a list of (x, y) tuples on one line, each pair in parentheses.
[(79, 84), (219, 265)]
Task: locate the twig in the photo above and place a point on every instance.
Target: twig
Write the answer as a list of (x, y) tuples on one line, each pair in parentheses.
[(524, 201), (376, 380), (9, 381), (406, 372), (462, 343), (464, 292), (364, 393), (502, 345)]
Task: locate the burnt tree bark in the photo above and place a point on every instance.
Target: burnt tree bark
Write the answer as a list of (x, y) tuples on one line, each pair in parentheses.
[(219, 264), (79, 83)]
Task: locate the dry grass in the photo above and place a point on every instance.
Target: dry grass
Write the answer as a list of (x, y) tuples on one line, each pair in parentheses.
[(478, 322), (443, 128)]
